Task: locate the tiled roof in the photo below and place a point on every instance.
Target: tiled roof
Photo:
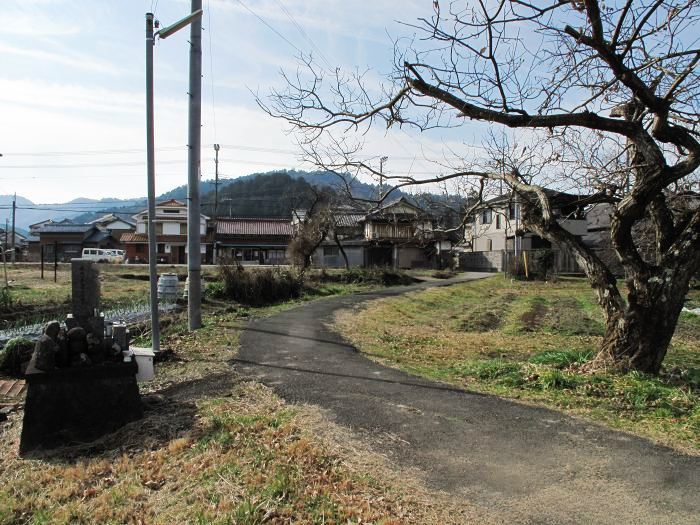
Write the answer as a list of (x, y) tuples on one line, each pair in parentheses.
[(257, 227), (349, 219), (171, 203), (65, 228), (97, 236), (143, 238)]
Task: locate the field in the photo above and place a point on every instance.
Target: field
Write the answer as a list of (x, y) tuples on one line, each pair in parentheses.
[(211, 448), (528, 340)]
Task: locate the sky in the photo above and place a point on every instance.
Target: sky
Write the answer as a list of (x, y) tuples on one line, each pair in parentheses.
[(72, 89)]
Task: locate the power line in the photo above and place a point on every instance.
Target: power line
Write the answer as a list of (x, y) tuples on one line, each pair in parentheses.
[(270, 27), (304, 34)]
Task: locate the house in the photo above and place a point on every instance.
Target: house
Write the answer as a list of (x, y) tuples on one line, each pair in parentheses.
[(496, 232), (598, 219), (253, 241), (65, 240), (21, 244), (171, 235), (115, 224), (398, 234)]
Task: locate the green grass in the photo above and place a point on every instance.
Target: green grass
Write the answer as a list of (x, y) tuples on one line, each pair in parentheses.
[(528, 340), (246, 456)]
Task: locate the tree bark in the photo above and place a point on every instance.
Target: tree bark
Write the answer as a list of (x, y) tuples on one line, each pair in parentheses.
[(637, 333), (341, 249)]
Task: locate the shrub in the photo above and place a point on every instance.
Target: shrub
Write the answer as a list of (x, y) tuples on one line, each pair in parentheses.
[(15, 356), (259, 287), (375, 275), (215, 289)]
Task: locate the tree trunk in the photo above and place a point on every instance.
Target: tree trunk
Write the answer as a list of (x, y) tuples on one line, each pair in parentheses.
[(638, 337), (342, 250)]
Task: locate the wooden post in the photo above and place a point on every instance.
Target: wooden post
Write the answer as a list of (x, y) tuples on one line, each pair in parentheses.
[(42, 261), (55, 261), (527, 273)]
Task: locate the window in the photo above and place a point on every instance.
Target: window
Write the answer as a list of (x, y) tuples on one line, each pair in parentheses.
[(140, 248), (489, 245), (499, 217), (170, 211), (161, 248), (330, 251), (486, 217), (183, 228), (171, 228)]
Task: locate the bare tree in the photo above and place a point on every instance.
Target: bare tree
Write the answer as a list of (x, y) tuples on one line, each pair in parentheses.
[(595, 96)]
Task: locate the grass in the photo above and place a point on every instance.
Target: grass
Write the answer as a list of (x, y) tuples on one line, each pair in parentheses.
[(528, 340), (211, 449)]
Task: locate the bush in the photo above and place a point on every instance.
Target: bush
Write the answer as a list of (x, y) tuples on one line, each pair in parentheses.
[(376, 275), (215, 290), (258, 287), (16, 355)]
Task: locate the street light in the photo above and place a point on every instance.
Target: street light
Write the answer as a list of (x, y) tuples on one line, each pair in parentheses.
[(150, 165)]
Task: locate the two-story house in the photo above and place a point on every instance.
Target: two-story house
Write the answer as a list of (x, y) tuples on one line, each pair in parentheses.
[(496, 228), (253, 241), (398, 234), (171, 235)]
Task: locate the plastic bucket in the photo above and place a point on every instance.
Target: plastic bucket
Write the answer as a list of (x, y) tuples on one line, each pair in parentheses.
[(168, 287), (144, 360)]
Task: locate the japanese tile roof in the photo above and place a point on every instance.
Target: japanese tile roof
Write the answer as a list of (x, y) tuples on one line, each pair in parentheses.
[(97, 236), (254, 227), (171, 203), (349, 219), (66, 228), (139, 238)]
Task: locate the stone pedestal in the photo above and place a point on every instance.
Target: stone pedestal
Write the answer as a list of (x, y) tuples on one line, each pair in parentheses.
[(78, 405)]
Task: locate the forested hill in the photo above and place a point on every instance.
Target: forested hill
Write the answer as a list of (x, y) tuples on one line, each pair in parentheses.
[(269, 195)]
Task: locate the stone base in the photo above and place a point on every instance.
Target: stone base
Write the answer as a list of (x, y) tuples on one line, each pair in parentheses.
[(78, 405)]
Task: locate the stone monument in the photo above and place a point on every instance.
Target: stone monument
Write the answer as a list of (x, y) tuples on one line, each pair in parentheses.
[(81, 381)]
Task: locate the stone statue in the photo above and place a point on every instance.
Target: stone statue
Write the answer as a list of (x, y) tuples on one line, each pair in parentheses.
[(46, 348)]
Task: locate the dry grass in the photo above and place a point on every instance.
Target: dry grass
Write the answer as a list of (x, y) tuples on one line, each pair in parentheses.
[(211, 449), (526, 340)]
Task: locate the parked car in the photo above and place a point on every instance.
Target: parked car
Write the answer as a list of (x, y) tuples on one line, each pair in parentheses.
[(117, 256), (97, 255)]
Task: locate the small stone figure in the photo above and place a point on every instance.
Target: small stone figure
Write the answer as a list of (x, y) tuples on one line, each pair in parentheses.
[(46, 348), (77, 345)]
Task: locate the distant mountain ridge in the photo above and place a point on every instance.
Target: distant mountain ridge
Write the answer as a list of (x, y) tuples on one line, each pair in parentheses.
[(272, 194)]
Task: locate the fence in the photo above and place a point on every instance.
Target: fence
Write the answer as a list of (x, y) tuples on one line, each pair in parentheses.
[(538, 261)]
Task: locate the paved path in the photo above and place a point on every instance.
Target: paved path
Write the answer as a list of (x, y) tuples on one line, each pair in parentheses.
[(516, 463)]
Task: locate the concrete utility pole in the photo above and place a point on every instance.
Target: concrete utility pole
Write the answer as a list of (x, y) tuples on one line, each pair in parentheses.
[(151, 173), (216, 180), (194, 256), (14, 211), (382, 160)]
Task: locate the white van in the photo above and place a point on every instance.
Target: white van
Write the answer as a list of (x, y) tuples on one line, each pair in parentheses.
[(97, 255)]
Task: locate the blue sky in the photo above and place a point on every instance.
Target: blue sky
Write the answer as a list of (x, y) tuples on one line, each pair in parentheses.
[(72, 89)]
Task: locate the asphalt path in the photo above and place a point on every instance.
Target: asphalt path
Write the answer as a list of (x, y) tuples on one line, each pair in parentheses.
[(518, 463)]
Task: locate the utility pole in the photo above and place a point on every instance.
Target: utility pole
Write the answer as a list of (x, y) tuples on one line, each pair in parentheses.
[(14, 211), (194, 256), (151, 172), (216, 180), (382, 160)]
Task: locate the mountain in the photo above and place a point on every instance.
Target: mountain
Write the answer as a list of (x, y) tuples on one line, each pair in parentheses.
[(272, 194)]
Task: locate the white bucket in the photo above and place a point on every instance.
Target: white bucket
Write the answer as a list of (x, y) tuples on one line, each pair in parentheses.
[(144, 359), (168, 287)]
